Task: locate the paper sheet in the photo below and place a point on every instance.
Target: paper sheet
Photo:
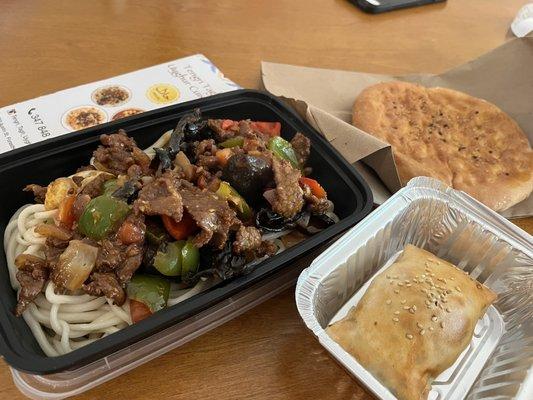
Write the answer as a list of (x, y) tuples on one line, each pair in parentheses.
[(87, 105), (325, 98)]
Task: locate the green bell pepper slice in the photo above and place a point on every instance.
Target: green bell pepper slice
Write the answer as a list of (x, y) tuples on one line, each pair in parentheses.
[(150, 290), (168, 259), (227, 192), (190, 259), (283, 149), (236, 141), (101, 216)]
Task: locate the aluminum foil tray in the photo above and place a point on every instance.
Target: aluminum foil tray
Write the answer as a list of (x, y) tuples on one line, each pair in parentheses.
[(498, 362)]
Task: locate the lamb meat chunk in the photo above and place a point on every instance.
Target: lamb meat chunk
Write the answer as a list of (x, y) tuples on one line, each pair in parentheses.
[(248, 238), (105, 284), (53, 248), (224, 128), (96, 186), (254, 141), (133, 257), (119, 152), (160, 197), (39, 192), (248, 242), (206, 147), (288, 196), (212, 215), (32, 275), (110, 256), (302, 147)]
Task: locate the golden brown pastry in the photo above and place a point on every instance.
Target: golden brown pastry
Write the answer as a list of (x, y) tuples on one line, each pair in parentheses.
[(466, 142), (413, 322)]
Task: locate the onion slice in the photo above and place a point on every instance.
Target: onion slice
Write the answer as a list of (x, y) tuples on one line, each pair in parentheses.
[(75, 265)]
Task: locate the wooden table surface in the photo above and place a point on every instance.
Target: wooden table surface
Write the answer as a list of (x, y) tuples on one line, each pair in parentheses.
[(50, 45)]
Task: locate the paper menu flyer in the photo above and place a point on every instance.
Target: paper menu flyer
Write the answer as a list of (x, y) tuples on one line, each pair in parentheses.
[(91, 104)]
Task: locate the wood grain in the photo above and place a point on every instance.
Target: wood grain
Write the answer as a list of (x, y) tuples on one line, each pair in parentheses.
[(52, 45)]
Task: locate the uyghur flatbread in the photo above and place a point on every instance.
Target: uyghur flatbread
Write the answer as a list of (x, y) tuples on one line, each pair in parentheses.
[(413, 321), (466, 142)]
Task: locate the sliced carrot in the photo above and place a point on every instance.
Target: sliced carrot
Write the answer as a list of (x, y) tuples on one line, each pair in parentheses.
[(228, 123), (139, 311), (129, 233), (65, 213), (180, 230), (268, 128), (223, 156), (315, 187)]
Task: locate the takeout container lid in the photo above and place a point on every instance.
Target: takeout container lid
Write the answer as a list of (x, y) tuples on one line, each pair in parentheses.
[(42, 162), (455, 227)]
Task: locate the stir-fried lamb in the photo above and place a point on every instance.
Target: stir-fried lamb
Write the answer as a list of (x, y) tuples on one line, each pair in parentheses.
[(118, 153), (200, 208), (32, 275)]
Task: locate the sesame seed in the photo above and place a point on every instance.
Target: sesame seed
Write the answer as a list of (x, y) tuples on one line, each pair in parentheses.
[(391, 283), (412, 310), (406, 307), (428, 303), (395, 319), (424, 290), (442, 280), (396, 291), (422, 332), (389, 301), (419, 325), (448, 310), (409, 336), (396, 312), (403, 301), (400, 284), (431, 328), (442, 324), (423, 276), (432, 274), (452, 278), (434, 318), (414, 307), (388, 276), (408, 285), (415, 280), (395, 277), (458, 289)]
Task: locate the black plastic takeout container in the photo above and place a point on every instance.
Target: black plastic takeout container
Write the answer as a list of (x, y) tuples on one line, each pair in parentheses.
[(42, 162)]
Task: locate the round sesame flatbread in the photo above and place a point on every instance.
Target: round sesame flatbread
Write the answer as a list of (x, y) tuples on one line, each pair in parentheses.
[(466, 142)]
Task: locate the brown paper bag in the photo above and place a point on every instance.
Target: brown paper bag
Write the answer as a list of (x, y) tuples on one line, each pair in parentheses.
[(325, 98)]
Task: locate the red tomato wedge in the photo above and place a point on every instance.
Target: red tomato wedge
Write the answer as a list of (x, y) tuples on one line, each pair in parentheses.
[(65, 213), (139, 311), (180, 230), (268, 128), (315, 187)]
